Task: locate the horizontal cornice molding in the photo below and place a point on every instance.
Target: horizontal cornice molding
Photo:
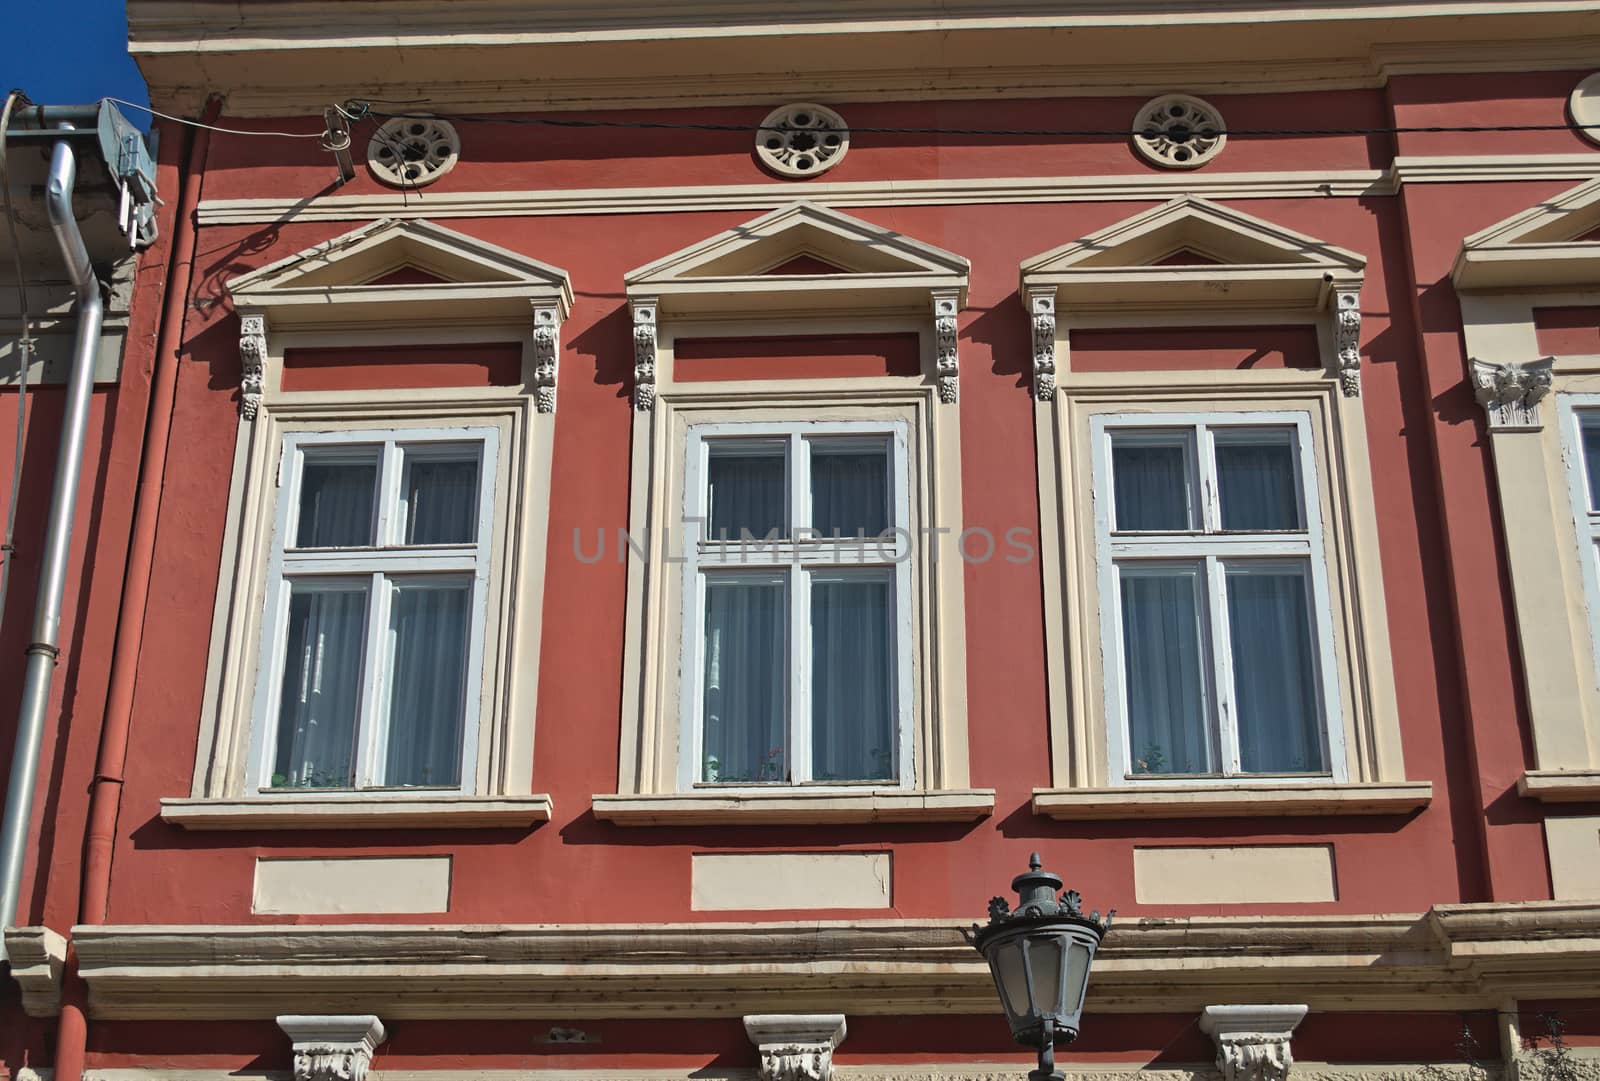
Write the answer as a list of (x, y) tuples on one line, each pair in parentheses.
[(1455, 956), (930, 1071), (888, 193)]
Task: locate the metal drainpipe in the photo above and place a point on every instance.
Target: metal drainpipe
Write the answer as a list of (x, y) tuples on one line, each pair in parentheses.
[(43, 650)]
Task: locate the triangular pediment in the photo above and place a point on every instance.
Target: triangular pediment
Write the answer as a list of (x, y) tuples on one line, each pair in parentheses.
[(802, 251), (400, 256), (1554, 243), (1191, 253)]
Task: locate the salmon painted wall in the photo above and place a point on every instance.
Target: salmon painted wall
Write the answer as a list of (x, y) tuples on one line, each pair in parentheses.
[(1459, 697)]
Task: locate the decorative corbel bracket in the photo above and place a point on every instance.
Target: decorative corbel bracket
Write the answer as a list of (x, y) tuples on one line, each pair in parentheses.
[(796, 1046), (332, 1047), (947, 360), (1042, 309), (546, 353), (1347, 336), (37, 955), (1510, 393), (644, 353), (1252, 1041), (252, 362)]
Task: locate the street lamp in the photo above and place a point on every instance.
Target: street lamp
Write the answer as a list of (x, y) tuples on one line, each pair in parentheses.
[(1039, 956)]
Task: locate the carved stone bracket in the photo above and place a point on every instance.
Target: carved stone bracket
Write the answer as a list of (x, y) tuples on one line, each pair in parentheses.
[(332, 1047), (644, 354), (1042, 307), (252, 363), (546, 352), (947, 361), (1511, 393), (1347, 337), (1252, 1041), (796, 1046)]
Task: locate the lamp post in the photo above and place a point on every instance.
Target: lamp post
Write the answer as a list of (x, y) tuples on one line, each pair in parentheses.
[(1039, 956)]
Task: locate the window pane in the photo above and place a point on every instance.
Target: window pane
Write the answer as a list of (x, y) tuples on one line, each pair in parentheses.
[(747, 492), (746, 672), (440, 491), (849, 489), (428, 628), (1163, 668), (852, 680), (1591, 458), (1151, 481), (1274, 671), (1255, 480), (321, 686), (336, 499)]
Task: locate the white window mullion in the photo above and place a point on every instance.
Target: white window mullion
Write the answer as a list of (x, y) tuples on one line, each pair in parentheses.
[(388, 495), (374, 701), (1206, 465), (1216, 586), (800, 765)]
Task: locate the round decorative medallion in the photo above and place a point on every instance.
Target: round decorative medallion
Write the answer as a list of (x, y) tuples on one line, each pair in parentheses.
[(1584, 105), (410, 151), (802, 140), (1177, 131)]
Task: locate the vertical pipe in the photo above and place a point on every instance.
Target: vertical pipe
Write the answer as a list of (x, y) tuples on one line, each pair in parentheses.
[(43, 650)]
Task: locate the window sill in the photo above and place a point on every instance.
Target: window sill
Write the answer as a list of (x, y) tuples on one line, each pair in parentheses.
[(795, 806), (1233, 800), (1561, 785), (434, 811)]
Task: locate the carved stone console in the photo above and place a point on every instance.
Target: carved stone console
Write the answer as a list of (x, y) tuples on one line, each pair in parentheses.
[(796, 1046), (332, 1047), (1511, 393), (1252, 1041), (644, 353)]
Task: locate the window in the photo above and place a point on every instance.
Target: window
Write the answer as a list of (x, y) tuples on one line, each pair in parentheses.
[(373, 634), (1581, 432), (796, 626), (1215, 618)]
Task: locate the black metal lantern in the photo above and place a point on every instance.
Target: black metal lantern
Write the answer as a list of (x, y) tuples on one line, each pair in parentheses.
[(1039, 956)]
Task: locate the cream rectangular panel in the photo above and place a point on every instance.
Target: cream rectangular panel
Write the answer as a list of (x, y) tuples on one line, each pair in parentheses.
[(1234, 875), (752, 881), (362, 885), (1574, 846)]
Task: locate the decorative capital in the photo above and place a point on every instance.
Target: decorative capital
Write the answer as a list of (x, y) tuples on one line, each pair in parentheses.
[(947, 361), (1042, 308), (796, 1046), (644, 353), (1252, 1041), (1511, 393), (546, 353), (332, 1047), (252, 363), (1347, 337)]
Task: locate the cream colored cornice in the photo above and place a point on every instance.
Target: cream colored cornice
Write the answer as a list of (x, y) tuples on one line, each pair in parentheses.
[(1454, 956), (1536, 248)]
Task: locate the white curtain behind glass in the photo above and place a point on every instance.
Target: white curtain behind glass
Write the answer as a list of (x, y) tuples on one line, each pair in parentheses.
[(321, 687), (746, 671), (336, 500), (1151, 486), (1256, 485), (849, 492), (1164, 674), (1274, 673), (441, 499), (747, 494), (852, 688), (427, 696)]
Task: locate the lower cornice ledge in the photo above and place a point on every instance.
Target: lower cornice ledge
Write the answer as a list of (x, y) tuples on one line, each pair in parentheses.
[(794, 806), (1234, 800), (1561, 785), (310, 812), (930, 1071)]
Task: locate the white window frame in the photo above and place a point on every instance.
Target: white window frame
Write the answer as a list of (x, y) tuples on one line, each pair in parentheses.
[(1214, 549), (379, 564), (1574, 410), (796, 562)]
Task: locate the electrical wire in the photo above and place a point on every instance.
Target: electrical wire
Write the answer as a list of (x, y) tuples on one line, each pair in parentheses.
[(211, 127), (8, 547)]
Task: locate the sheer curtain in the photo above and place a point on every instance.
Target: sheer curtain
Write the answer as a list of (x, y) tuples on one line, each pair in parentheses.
[(1274, 672), (429, 624), (321, 687), (1151, 485), (441, 500), (1161, 650), (852, 680), (1256, 484), (849, 491), (336, 499), (747, 494), (1591, 455), (746, 671)]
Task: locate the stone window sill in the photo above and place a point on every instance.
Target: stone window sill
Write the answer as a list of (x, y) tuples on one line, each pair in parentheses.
[(431, 811), (1561, 785), (1233, 800), (795, 806)]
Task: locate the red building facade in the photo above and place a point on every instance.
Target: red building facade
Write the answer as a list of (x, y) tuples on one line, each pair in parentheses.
[(1204, 404)]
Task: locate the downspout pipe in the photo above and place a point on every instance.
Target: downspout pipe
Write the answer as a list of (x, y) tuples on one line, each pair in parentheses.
[(43, 648)]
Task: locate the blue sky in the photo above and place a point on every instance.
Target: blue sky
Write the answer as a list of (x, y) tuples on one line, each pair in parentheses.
[(68, 52)]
